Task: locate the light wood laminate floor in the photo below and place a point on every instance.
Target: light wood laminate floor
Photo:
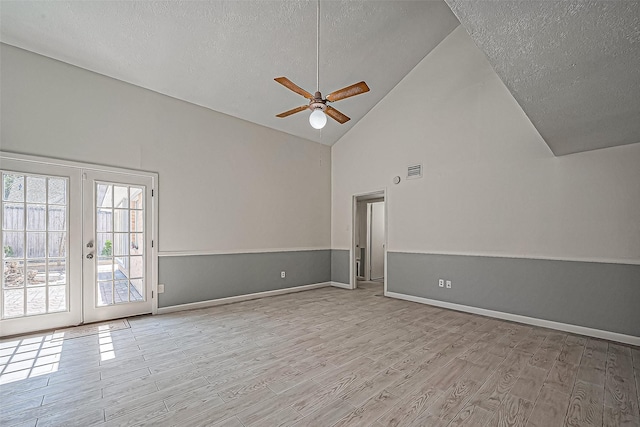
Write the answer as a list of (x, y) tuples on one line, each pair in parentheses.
[(327, 357)]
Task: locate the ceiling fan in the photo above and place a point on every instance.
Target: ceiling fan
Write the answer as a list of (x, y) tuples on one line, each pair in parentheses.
[(318, 105)]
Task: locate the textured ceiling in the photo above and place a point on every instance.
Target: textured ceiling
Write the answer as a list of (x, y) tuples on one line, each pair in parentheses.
[(224, 54), (573, 66)]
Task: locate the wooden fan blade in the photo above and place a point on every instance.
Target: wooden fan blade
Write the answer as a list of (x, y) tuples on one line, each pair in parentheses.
[(336, 115), (293, 111), (348, 91), (294, 87)]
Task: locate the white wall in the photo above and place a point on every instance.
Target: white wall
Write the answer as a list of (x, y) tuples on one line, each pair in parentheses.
[(225, 184), (377, 240), (361, 222), (491, 185)]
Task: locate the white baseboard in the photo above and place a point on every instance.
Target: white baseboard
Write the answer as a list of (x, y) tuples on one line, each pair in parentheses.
[(229, 300), (565, 327), (340, 285)]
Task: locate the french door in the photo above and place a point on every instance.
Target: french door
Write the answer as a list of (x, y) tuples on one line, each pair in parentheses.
[(117, 230), (41, 214), (76, 245)]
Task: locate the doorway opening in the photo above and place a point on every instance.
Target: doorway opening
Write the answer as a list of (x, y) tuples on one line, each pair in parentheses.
[(369, 242)]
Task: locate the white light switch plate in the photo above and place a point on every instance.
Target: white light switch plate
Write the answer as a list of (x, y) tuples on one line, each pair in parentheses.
[(160, 289), (448, 284)]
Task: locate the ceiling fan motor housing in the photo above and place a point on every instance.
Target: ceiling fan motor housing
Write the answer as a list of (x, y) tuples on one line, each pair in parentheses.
[(317, 102)]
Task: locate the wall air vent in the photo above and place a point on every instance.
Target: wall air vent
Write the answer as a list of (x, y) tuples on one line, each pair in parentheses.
[(414, 172)]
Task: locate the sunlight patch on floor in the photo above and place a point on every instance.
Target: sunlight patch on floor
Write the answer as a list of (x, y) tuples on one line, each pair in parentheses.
[(29, 357), (107, 352)]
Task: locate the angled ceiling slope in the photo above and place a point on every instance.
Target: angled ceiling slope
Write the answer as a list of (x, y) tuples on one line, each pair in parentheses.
[(224, 55), (573, 66)]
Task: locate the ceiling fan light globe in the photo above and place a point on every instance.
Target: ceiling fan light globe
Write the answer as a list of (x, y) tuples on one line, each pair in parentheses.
[(317, 119)]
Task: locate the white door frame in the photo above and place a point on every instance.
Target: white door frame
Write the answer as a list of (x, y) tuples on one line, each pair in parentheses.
[(81, 167), (353, 280)]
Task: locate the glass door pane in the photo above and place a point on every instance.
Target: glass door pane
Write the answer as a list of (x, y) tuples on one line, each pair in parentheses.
[(117, 207)]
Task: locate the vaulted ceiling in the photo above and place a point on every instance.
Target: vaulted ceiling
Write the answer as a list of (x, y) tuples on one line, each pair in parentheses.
[(573, 66), (224, 55)]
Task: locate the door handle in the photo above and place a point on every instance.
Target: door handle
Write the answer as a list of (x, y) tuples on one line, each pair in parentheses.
[(89, 256), (90, 244)]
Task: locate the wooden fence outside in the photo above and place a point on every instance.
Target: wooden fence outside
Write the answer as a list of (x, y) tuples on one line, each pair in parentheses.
[(37, 230)]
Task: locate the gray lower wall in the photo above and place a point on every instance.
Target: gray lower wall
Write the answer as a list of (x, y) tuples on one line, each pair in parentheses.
[(198, 278), (340, 266), (595, 295)]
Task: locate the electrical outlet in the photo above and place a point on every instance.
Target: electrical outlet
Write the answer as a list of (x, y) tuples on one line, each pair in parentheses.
[(448, 284), (441, 283), (161, 289), (283, 274)]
